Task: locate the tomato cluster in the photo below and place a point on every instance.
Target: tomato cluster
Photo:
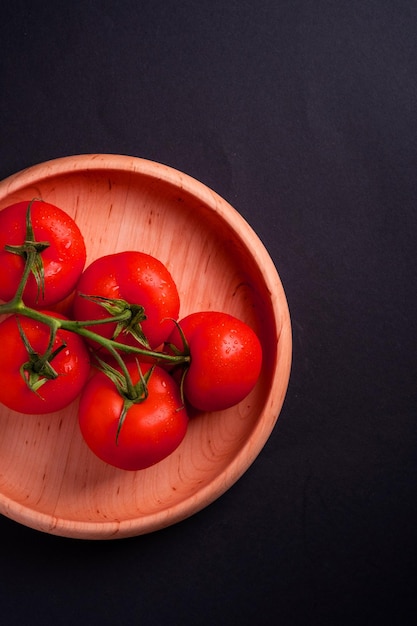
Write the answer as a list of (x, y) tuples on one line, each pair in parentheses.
[(121, 349)]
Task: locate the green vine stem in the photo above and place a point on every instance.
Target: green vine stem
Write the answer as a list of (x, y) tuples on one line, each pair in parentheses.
[(75, 326), (17, 306)]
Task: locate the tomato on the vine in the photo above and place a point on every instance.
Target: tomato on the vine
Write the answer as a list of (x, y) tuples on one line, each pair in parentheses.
[(62, 261), (152, 428), (135, 278), (25, 383), (226, 359)]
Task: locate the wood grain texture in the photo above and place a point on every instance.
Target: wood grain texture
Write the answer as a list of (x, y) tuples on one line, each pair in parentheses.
[(49, 480)]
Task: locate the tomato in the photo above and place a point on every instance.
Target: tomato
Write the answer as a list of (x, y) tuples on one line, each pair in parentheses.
[(72, 364), (226, 359), (63, 260), (152, 429), (137, 278)]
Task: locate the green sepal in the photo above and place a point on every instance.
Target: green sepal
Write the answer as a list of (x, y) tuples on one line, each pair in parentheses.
[(131, 325), (32, 247), (131, 393), (38, 369)]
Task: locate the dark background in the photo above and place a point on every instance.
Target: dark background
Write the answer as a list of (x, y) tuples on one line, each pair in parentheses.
[(303, 115)]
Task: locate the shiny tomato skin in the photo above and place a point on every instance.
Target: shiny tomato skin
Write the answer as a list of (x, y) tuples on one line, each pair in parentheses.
[(152, 429), (63, 260), (138, 278), (226, 359), (72, 365)]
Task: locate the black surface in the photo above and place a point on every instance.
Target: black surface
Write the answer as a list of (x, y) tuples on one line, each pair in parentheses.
[(303, 115)]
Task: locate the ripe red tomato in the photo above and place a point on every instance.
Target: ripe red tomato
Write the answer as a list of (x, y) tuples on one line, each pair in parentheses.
[(152, 429), (226, 359), (137, 278), (72, 364), (63, 260)]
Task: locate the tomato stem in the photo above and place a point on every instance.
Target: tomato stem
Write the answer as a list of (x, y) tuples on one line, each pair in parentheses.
[(17, 305), (78, 327), (30, 250), (39, 366), (38, 369), (17, 299)]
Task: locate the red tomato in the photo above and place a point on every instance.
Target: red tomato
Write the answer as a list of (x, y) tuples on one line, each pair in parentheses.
[(226, 359), (137, 278), (63, 260), (152, 429), (72, 364)]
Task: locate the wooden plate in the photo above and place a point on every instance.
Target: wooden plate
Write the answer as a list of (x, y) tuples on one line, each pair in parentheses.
[(49, 480)]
